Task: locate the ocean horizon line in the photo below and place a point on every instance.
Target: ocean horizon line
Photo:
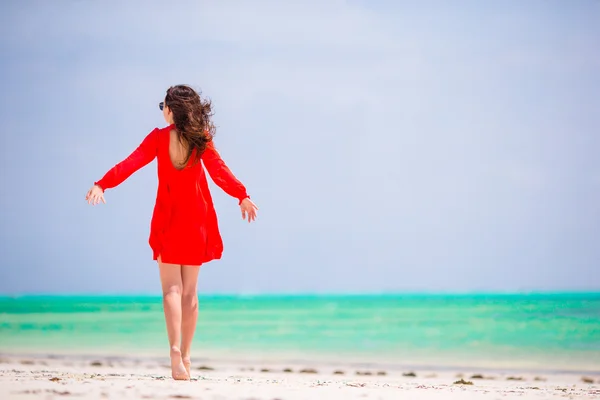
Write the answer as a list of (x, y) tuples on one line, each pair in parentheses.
[(275, 295)]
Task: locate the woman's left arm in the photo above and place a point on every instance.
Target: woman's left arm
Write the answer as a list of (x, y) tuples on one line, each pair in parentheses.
[(222, 175), (224, 178)]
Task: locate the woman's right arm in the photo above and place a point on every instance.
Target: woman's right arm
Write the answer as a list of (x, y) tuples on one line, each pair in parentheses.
[(142, 156)]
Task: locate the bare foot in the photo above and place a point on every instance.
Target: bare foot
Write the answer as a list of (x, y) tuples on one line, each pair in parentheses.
[(188, 365), (178, 370)]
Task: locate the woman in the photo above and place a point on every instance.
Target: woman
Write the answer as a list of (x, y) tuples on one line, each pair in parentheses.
[(184, 233)]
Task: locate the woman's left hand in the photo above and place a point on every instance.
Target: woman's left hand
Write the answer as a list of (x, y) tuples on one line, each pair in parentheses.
[(249, 209)]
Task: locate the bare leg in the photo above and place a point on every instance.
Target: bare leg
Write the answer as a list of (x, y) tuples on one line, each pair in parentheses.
[(189, 307), (172, 286)]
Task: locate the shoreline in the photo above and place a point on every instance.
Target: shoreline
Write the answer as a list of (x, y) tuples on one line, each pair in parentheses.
[(255, 358)]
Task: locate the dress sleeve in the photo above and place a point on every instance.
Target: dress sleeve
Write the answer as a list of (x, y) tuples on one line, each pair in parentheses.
[(142, 156), (221, 174)]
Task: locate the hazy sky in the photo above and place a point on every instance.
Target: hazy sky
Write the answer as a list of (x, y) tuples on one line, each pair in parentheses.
[(390, 146)]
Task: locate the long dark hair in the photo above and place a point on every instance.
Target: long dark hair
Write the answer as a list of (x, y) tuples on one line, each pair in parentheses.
[(191, 116)]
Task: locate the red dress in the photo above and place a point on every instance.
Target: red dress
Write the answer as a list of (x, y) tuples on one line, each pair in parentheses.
[(184, 228)]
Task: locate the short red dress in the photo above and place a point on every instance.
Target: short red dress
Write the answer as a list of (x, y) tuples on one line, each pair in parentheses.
[(184, 228)]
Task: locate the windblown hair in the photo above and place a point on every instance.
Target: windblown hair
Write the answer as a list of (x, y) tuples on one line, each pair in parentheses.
[(191, 116)]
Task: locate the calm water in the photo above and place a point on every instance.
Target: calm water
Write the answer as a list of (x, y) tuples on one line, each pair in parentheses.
[(555, 331)]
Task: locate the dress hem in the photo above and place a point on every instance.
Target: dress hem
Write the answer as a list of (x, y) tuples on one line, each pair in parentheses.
[(176, 261)]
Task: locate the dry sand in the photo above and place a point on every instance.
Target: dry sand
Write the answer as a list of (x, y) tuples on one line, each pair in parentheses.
[(28, 377)]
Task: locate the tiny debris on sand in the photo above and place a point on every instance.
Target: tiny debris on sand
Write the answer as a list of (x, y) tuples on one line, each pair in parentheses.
[(356, 384), (308, 371), (463, 382)]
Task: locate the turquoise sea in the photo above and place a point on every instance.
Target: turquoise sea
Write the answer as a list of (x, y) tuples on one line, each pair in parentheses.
[(557, 332)]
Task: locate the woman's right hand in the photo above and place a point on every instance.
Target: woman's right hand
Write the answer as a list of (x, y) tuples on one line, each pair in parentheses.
[(95, 195)]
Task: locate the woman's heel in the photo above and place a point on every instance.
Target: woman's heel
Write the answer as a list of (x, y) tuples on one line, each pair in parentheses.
[(187, 363), (178, 370)]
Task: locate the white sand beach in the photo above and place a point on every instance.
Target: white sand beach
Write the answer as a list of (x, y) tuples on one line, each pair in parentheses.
[(33, 377)]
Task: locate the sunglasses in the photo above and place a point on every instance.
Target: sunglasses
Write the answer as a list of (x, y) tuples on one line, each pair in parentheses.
[(161, 105)]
